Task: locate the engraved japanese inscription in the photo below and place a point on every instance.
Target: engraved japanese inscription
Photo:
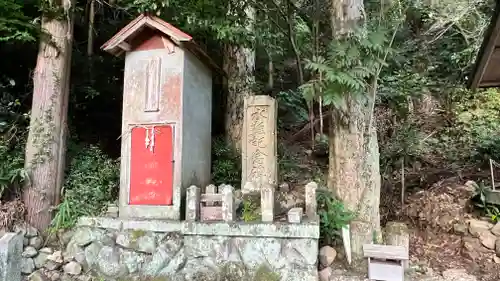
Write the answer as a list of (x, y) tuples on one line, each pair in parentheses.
[(259, 141)]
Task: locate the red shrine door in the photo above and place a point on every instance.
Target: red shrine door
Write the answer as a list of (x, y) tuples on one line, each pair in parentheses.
[(151, 165)]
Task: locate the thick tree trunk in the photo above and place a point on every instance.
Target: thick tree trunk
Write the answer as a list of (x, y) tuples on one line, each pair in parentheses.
[(354, 170), (45, 149), (239, 65)]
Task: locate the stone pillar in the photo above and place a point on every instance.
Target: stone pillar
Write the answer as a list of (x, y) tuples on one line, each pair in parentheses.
[(11, 248), (397, 234), (259, 145), (192, 203), (310, 198), (228, 206), (267, 203)]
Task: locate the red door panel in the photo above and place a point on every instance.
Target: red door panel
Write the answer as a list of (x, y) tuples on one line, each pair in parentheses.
[(151, 165)]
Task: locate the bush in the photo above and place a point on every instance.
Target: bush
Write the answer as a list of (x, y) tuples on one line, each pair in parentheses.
[(226, 164), (333, 216), (91, 183)]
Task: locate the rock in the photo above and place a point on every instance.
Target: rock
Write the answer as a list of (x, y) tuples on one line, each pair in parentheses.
[(497, 247), (26, 230), (55, 276), (36, 242), (37, 276), (108, 262), (72, 250), (51, 265), (83, 237), (488, 240), (458, 275), (324, 274), (496, 259), (26, 241), (476, 227), (327, 255), (40, 260), (89, 257), (29, 252), (27, 266), (65, 236), (47, 251), (496, 229), (284, 187), (73, 268), (460, 228), (473, 248), (57, 257), (123, 239), (146, 244)]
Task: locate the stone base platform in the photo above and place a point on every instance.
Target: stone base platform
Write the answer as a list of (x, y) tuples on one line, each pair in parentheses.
[(124, 249)]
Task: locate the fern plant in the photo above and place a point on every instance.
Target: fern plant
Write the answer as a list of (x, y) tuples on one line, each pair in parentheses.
[(350, 61)]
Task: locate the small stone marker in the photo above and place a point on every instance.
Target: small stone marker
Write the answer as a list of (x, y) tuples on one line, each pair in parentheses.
[(385, 263), (11, 248), (259, 144), (211, 189), (192, 203), (267, 203), (397, 234), (228, 206), (295, 215), (311, 203)]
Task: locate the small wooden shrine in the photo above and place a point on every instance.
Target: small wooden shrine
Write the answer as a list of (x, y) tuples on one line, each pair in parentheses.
[(166, 123)]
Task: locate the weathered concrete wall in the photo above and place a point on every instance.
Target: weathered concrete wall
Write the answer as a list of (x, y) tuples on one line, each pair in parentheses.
[(114, 248), (169, 99), (196, 116)]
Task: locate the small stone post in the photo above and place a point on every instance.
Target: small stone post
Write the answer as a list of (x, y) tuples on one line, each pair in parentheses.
[(193, 203), (295, 215), (311, 203), (267, 203), (397, 234), (11, 248), (228, 206), (211, 189)]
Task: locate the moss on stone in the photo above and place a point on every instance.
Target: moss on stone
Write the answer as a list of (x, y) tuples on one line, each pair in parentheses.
[(137, 233), (264, 273)]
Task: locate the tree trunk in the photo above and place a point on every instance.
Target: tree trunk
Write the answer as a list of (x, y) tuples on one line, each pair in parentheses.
[(239, 65), (354, 170), (46, 145)]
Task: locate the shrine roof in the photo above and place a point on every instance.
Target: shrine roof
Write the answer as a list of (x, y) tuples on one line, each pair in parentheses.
[(486, 72), (121, 42)]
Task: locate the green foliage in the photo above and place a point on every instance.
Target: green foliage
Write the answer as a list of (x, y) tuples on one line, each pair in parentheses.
[(226, 163), (249, 211), (478, 118), (14, 25), (479, 198), (12, 142), (333, 216), (91, 183), (350, 61)]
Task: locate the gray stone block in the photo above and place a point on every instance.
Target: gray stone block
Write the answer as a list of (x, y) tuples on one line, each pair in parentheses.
[(11, 248), (295, 215)]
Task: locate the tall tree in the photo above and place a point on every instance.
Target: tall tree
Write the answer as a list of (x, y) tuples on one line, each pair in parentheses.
[(46, 145), (354, 172), (239, 65)]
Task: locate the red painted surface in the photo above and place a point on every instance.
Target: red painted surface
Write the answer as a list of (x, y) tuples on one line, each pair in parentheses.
[(151, 43), (151, 172)]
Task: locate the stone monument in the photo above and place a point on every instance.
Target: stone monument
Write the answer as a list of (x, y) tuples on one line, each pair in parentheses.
[(166, 125), (259, 145)]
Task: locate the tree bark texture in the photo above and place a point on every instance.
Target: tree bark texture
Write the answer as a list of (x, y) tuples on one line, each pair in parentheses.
[(239, 65), (354, 170), (46, 145)]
